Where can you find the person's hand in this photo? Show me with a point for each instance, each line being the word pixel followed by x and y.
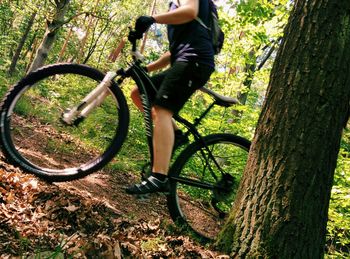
pixel 143 23
pixel 134 35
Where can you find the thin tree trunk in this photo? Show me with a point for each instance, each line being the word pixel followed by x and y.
pixel 88 27
pixel 282 203
pixel 34 47
pixel 93 44
pixel 30 45
pixel 21 44
pixel 153 8
pixel 115 53
pixel 250 69
pixel 65 44
pixel 50 35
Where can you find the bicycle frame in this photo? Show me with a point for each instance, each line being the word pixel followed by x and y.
pixel 141 77
pixel 75 115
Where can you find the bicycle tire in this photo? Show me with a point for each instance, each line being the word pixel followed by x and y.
pixel 33 136
pixel 190 204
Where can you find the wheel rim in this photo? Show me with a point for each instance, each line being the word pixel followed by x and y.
pixel 42 141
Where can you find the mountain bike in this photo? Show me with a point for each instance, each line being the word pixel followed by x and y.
pixel 65 121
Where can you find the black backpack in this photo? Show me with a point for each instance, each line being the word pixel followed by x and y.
pixel 214 28
pixel 216 33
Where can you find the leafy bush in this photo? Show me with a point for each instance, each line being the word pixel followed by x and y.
pixel 338 237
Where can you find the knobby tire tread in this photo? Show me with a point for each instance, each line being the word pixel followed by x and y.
pixel 40 74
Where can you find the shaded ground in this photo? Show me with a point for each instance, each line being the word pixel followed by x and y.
pixel 89 218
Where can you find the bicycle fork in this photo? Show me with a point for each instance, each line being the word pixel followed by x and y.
pixel 76 114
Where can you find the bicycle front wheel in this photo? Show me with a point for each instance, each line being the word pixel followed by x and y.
pixel 34 136
pixel 204 181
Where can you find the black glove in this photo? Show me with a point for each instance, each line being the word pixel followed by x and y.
pixel 134 35
pixel 143 23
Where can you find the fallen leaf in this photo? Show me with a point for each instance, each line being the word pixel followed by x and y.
pixel 71 208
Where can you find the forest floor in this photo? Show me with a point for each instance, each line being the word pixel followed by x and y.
pixel 88 218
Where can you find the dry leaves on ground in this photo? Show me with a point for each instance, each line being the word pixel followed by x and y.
pixel 41 220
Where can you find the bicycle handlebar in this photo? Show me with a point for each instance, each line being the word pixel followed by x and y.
pixel 137 56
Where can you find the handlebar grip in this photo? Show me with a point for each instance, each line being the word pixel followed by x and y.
pixel 133 43
pixel 133 37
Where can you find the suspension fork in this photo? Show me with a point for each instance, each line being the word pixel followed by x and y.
pixel 76 114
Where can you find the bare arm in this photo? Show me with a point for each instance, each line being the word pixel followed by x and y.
pixel 161 62
pixel 187 11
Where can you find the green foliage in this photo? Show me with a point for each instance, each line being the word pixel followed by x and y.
pixel 253 11
pixel 338 237
pixel 252 27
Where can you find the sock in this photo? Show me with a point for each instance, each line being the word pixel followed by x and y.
pixel 159 176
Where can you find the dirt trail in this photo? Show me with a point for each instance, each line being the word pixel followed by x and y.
pixel 108 187
pixel 88 218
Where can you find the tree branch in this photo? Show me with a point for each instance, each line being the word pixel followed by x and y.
pixel 87 14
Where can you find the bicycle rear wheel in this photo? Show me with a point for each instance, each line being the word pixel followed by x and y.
pixel 201 194
pixel 34 137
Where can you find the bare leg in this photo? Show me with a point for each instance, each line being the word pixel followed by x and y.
pixel 163 139
pixel 135 97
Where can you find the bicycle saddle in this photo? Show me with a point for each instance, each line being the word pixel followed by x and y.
pixel 221 100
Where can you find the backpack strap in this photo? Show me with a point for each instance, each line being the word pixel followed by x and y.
pixel 202 23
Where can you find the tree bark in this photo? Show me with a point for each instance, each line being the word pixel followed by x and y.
pixel 21 44
pixel 50 34
pixel 282 203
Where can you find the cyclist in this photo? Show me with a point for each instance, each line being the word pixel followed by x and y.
pixel 191 60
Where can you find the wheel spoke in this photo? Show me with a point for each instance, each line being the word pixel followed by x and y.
pixel 199 181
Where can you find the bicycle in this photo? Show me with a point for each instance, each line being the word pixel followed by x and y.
pixel 47 130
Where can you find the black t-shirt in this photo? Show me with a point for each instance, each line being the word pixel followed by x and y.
pixel 191 41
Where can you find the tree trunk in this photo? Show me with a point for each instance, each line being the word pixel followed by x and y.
pixel 153 8
pixel 87 33
pixel 21 44
pixel 94 43
pixel 115 53
pixel 31 51
pixel 250 69
pixel 282 204
pixel 84 39
pixel 50 34
pixel 65 44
